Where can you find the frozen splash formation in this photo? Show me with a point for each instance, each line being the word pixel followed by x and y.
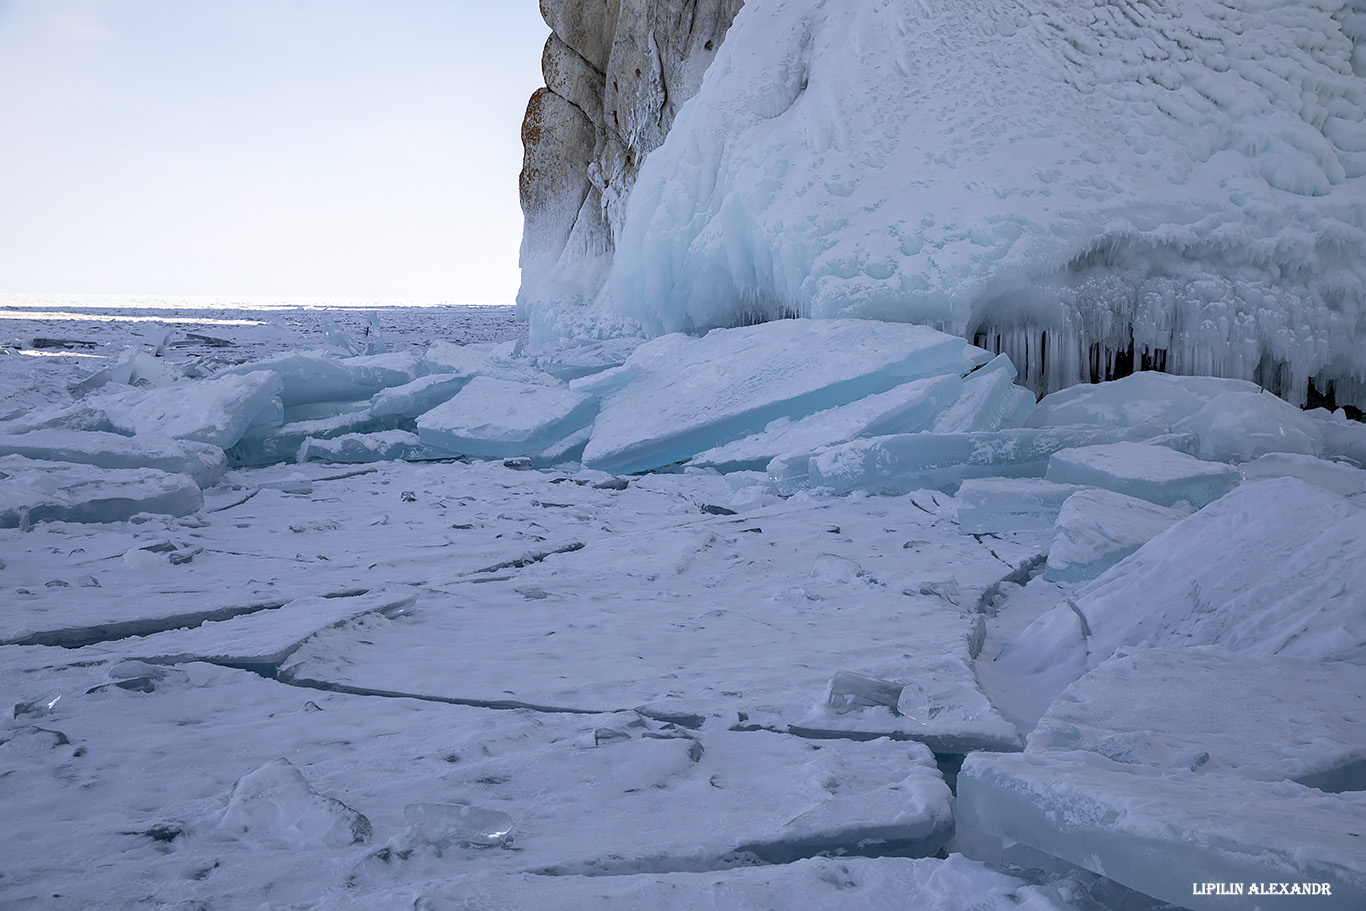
pixel 1089 187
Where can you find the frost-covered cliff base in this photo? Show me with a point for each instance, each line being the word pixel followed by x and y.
pixel 1075 184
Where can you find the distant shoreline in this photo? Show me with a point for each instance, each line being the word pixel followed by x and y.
pixel 228 302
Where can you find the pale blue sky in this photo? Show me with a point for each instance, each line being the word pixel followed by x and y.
pixel 315 148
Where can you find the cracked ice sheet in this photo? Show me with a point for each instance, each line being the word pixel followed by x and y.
pixel 742 618
pixel 98 818
pixel 837 884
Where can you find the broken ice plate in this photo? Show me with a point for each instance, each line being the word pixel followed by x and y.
pixel 444 825
pixel 40 705
pixel 954 701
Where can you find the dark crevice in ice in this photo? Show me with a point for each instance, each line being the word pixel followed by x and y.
pixel 1020 575
pixel 1350 776
pixel 80 636
pixel 529 559
pixel 949 766
pixel 947 744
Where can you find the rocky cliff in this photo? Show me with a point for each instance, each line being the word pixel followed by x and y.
pixel 616 73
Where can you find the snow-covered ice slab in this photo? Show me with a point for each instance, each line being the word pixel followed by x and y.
pixel 33 491
pixel 263 639
pixel 498 418
pixel 216 411
pixel 904 409
pixel 1166 832
pixel 380 446
pixel 1096 528
pixel 1208 710
pixel 201 461
pixel 1157 474
pixel 1272 568
pixel 684 395
pixel 1139 397
pixel 837 884
pixel 993 505
pixel 1338 477
pixel 91 810
pixel 941 461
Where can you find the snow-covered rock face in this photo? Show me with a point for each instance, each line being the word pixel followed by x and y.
pixel 616 73
pixel 1067 182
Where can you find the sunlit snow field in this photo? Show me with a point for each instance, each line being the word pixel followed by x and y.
pixel 477 683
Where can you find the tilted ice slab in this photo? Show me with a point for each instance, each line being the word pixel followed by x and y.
pixel 1163 831
pixel 683 395
pixel 994 505
pixel 217 410
pixel 422 394
pixel 201 461
pixel 904 409
pixel 1209 710
pixel 1191 175
pixel 1271 568
pixel 990 401
pixel 941 461
pixel 1154 473
pixel 1096 528
pixel 1126 768
pixel 1144 396
pixel 34 491
pixel 499 418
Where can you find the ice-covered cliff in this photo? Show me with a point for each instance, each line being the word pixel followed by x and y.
pixel 1075 183
pixel 616 73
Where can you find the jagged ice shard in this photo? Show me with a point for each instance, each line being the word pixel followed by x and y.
pixel 1074 184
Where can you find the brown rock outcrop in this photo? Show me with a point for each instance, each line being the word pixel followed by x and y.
pixel 616 73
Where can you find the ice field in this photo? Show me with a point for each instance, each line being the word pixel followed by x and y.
pixel 305 609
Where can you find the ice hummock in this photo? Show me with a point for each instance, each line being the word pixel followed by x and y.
pixel 677 396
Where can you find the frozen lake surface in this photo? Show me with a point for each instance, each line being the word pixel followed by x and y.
pixel 448 682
